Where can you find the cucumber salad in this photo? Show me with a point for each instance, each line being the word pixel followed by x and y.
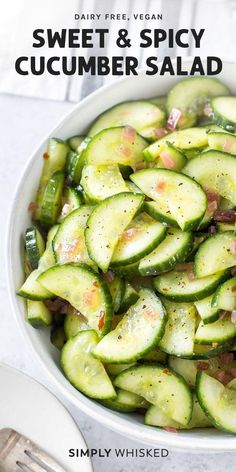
pixel 131 257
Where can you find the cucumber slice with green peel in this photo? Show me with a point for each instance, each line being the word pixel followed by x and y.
pixel 115 369
pixel 154 356
pixel 106 223
pixel 38 314
pixel 179 286
pixel 52 200
pixel 133 188
pixel 35 246
pixel 84 290
pixel 178 338
pixel 155 417
pixel 222 142
pixel 100 182
pixel 125 402
pixel 208 351
pixel 225 296
pixel 179 199
pixel 218 402
pixel 26 264
pixel 215 171
pixel 159 101
pixel 224 112
pixel 226 204
pixel 72 199
pixel 161 387
pixel 144 117
pixel 69 242
pixel 175 248
pixel 57 337
pixel 232 384
pixel 222 246
pixel 117 290
pixel 190 97
pixel 171 158
pixel 218 332
pixel 51 235
pixel 153 209
pixel 129 271
pixel 137 333
pixel 114 146
pixel 32 288
pixel 86 373
pixel 75 141
pixel 74 323
pixel 198 239
pixel 125 171
pixel 55 161
pixel 140 237
pixel 207 312
pixel 77 162
pixel 223 227
pixel 130 297
pixel 192 139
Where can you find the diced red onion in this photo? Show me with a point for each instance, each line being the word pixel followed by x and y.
pixel 170 429
pixel 223 314
pixel 233 316
pixel 212 206
pixel 129 133
pixel 233 247
pixel 212 229
pixel 32 206
pixel 202 366
pixel 109 276
pixel 226 357
pixel 57 306
pixel 167 160
pixel 174 118
pixel 233 371
pixel 160 132
pixel 227 216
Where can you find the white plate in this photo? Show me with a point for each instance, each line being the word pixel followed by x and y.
pixel 31 409
pixel 76 122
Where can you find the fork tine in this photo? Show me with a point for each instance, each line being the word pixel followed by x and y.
pixel 41 460
pixel 30 467
pixel 23 467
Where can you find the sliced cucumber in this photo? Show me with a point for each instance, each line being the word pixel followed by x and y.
pixel 207 312
pixel 100 182
pixel 113 146
pixel 125 402
pixel 159 101
pixel 175 248
pixel 216 171
pixel 156 417
pixel 222 245
pixel 86 373
pixel 115 369
pixel 154 356
pixel 129 271
pixel 222 142
pixel 218 332
pixel 218 402
pixel 208 351
pixel 224 112
pixel 189 368
pixel 74 323
pixel 84 290
pixel 72 199
pixel 192 139
pixel 133 188
pixel 130 298
pixel 38 314
pixel 55 160
pixel 137 333
pixel 226 204
pixel 52 200
pixel 179 333
pixel 75 141
pixel 117 290
pixel 69 242
pixel 191 95
pixel 57 337
pixel 144 117
pixel 140 237
pixel 106 223
pixel 32 289
pixel 223 227
pixel 160 387
pixel 171 158
pixel 179 199
pixel 178 287
pixel 35 246
pixel 225 296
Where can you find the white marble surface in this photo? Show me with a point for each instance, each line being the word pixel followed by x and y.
pixel 23 123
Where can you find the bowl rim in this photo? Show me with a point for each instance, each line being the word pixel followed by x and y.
pixel 148 435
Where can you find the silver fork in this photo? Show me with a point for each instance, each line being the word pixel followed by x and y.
pixel 18 453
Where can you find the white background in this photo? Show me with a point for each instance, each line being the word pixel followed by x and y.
pixel 24 122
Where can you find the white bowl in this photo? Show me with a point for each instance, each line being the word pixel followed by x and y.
pixel 76 122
